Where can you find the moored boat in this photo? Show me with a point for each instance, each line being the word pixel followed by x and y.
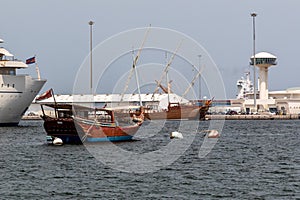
pixel 103 126
pixel 17 90
pixel 177 111
pixel 59 123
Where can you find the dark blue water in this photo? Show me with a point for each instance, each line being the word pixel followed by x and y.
pixel 251 160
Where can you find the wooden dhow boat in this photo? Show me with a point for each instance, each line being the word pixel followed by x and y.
pixel 174 111
pixel 90 125
pixel 177 111
pixel 103 126
pixel 59 123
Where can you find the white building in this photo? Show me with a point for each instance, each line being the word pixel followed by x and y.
pixel 156 101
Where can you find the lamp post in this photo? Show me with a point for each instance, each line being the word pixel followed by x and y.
pixel 91 56
pixel 253 15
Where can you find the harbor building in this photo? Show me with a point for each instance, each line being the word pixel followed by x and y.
pixel 282 102
pixel 268 102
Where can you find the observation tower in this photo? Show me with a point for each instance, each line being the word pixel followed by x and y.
pixel 264 60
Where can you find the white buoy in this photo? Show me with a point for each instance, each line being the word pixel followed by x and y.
pixel 57 141
pixel 176 134
pixel 213 134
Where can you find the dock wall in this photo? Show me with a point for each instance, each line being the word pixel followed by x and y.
pixel 252 117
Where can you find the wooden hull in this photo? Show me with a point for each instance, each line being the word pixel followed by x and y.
pixel 106 132
pixel 63 128
pixel 202 112
pixel 186 112
pixel 78 130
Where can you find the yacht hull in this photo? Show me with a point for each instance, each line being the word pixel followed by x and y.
pixel 16 95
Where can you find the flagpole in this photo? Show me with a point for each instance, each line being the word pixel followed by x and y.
pixel 55 103
pixel 53 96
pixel 37 69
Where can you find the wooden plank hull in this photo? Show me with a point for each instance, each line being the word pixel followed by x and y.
pixel 185 112
pixel 77 130
pixel 63 128
pixel 188 113
pixel 106 132
pixel 175 111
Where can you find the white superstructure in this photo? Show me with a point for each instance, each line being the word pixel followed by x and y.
pixel 16 91
pixel 244 86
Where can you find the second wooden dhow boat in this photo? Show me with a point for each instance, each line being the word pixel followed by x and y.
pixel 175 111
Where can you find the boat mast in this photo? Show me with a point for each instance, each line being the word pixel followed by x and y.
pixel 192 83
pixel 134 67
pixel 199 56
pixel 137 84
pixel 166 69
pixel 167 78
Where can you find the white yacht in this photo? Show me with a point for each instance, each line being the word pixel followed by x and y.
pixel 245 86
pixel 16 91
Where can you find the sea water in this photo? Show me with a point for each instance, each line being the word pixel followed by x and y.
pixel 251 160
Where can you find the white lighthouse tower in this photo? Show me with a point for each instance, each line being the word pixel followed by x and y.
pixel 263 60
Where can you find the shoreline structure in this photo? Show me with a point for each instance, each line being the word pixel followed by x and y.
pixel 221 117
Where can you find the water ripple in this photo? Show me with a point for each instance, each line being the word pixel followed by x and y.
pixel 251 160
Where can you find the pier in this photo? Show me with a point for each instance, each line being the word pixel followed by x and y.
pixel 222 117
pixel 32 117
pixel 253 117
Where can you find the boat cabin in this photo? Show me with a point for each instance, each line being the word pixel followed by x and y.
pixel 8 64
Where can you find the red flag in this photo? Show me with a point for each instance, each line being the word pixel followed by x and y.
pixel 45 95
pixel 30 60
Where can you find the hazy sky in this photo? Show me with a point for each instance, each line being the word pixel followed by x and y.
pixel 58 33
